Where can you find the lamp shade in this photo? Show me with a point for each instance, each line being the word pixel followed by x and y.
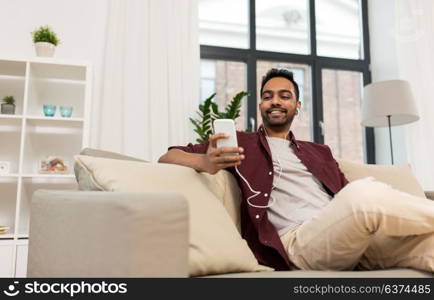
pixel 388 98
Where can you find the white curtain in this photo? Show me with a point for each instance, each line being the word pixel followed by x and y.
pixel 147 78
pixel 414 34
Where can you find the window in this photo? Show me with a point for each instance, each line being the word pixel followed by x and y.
pixel 224 23
pixel 226 79
pixel 342 113
pixel 324 43
pixel 338 29
pixel 282 26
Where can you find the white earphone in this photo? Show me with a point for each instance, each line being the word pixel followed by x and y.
pixel 256 193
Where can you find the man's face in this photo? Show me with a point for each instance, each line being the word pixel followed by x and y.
pixel 278 103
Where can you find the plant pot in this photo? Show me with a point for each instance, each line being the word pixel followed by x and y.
pixel 44 49
pixel 8 109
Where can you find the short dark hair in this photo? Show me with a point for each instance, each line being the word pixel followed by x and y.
pixel 280 72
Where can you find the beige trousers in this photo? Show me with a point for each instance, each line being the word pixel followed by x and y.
pixel 367 225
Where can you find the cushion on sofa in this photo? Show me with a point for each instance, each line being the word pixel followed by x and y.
pixel 215 244
pixel 224 185
pixel 399 177
pixel 82 177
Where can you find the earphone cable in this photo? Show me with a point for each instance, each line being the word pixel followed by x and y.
pixel 256 193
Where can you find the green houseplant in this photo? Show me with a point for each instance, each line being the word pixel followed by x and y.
pixel 209 111
pixel 45 41
pixel 8 105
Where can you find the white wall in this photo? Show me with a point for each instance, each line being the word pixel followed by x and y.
pixel 79 25
pixel 384 66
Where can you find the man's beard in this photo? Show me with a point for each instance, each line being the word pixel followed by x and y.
pixel 270 122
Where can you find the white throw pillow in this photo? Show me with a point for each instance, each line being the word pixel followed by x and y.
pixel 215 244
pixel 399 177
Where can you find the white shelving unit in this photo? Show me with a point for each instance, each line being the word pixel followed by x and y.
pixel 29 136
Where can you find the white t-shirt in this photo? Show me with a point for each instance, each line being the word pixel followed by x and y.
pixel 298 195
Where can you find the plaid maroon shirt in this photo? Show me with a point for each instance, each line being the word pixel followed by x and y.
pixel 257 168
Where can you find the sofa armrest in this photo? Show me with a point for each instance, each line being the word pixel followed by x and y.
pixel 108 234
pixel 429 194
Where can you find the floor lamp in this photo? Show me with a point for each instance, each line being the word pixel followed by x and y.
pixel 388 103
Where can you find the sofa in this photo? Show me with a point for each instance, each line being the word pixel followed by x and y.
pixel 92 232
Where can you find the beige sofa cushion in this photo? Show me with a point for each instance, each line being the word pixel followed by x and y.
pixel 215 244
pixel 399 177
pixel 226 189
pixel 83 179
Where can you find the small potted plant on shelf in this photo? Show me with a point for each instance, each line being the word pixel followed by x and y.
pixel 8 105
pixel 45 41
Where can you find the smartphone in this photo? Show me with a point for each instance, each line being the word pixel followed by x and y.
pixel 226 126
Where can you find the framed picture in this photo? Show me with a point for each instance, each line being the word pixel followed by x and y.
pixel 53 165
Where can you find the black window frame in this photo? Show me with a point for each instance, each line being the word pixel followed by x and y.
pixel 251 55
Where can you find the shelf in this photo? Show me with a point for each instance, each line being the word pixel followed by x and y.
pixel 12 77
pixel 57 85
pixel 6 236
pixel 44 60
pixel 59 61
pixel 67 127
pixel 48 175
pixel 57 71
pixel 10 124
pixel 12 175
pixel 47 138
pixel 42 118
pixel 12 68
pixel 4 116
pixel 36 175
pixel 8 180
pixel 13 85
pixel 59 81
pixel 29 136
pixel 54 125
pixel 56 92
pixel 12 82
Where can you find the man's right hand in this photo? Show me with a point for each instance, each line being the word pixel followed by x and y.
pixel 214 161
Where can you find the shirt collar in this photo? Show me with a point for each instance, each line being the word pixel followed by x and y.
pixel 292 139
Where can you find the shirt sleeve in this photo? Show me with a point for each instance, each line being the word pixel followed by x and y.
pixel 190 148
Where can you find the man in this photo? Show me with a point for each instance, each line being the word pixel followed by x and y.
pixel 292 215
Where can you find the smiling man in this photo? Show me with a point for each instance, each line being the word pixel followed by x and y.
pixel 292 215
pixel 280 103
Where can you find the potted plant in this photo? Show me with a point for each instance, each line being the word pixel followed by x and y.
pixel 45 41
pixel 8 105
pixel 208 112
